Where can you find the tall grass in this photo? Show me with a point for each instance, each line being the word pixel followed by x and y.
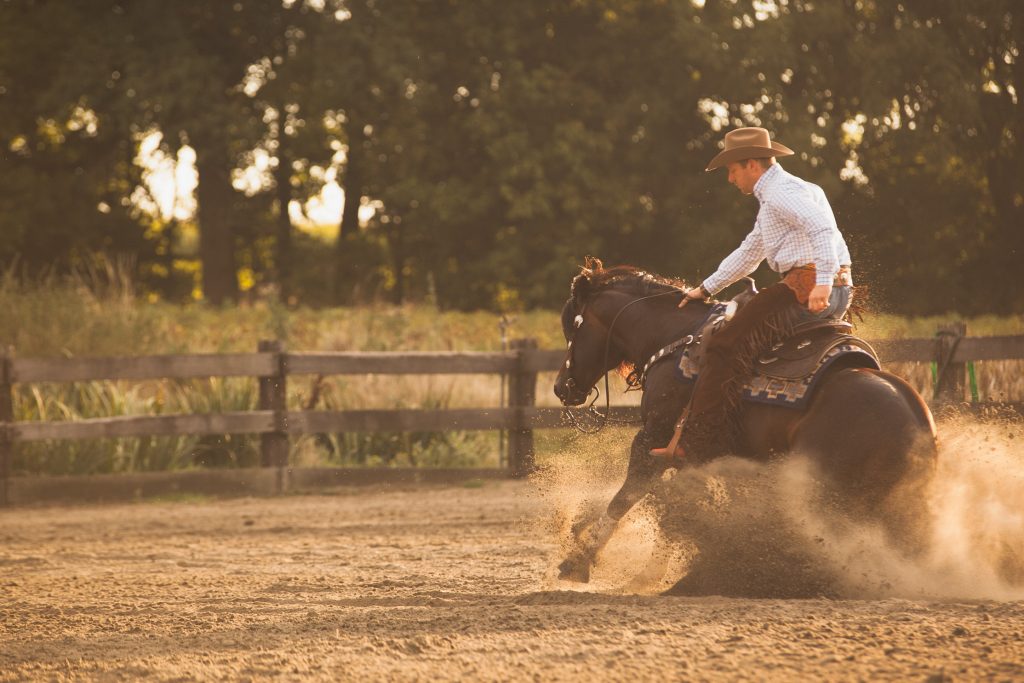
pixel 996 380
pixel 97 313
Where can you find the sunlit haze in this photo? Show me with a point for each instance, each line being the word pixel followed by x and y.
pixel 171 183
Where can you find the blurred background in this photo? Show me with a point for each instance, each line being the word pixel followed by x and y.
pixel 469 153
pixel 196 176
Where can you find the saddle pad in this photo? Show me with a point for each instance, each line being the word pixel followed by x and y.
pixel 793 393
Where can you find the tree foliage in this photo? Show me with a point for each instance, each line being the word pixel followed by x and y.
pixel 500 142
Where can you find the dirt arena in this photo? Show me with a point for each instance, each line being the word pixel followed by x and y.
pixel 456 583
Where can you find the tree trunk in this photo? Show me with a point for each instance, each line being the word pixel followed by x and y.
pixel 214 195
pixel 283 256
pixel 396 244
pixel 352 185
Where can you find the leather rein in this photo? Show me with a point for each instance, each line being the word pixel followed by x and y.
pixel 635 380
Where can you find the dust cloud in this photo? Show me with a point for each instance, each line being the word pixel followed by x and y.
pixel 738 528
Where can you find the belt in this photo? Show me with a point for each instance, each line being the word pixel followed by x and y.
pixel 843 278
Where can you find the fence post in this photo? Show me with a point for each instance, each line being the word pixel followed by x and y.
pixel 273 393
pixel 6 420
pixel 949 376
pixel 522 394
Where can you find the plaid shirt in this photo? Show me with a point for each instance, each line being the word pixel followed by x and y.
pixel 795 226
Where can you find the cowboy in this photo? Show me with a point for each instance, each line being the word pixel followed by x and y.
pixel 796 232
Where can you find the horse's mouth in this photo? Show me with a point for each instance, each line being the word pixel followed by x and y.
pixel 570 393
pixel 573 399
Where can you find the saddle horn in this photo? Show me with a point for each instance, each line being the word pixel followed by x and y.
pixel 742 298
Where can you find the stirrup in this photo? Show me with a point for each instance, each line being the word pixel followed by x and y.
pixel 675 444
pixel 677 453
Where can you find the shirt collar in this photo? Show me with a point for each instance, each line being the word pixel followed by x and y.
pixel 766 179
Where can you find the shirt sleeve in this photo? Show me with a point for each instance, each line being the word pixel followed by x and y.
pixel 819 225
pixel 743 261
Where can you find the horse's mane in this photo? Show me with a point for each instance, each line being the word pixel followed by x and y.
pixel 623 278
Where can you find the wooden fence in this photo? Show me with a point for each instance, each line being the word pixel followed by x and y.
pixel 949 350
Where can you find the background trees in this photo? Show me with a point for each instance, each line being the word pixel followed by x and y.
pixel 493 144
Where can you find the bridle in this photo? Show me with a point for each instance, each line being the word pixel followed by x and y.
pixel 635 380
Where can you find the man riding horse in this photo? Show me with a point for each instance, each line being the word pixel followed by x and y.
pixel 796 232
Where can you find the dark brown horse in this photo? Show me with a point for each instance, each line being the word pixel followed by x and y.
pixel 867 431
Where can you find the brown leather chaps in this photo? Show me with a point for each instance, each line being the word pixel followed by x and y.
pixel 709 429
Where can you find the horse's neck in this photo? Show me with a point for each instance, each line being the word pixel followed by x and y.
pixel 651 328
pixel 684 321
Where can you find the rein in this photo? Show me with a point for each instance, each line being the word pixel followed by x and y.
pixel 633 382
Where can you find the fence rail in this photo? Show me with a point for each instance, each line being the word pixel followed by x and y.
pixel 950 350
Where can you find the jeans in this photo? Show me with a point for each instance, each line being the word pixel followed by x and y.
pixel 838 303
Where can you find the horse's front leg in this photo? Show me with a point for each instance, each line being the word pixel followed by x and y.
pixel 643 469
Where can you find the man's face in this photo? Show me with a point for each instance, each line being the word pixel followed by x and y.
pixel 744 175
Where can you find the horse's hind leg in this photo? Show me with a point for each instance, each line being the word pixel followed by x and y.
pixel 875 460
pixel 591 538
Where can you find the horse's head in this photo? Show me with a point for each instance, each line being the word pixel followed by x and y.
pixel 586 337
pixel 594 332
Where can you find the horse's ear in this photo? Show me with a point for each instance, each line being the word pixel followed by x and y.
pixel 580 288
pixel 581 283
pixel 592 264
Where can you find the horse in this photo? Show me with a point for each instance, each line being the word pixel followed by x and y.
pixel 867 431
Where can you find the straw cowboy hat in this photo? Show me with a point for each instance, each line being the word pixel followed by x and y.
pixel 747 143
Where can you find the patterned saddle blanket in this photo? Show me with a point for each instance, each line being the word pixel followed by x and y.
pixel 788 373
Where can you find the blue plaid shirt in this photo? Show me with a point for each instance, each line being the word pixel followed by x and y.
pixel 795 226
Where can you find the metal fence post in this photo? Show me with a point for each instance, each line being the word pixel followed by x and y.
pixel 273 394
pixel 6 423
pixel 522 395
pixel 949 376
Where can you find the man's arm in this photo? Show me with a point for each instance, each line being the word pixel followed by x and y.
pixel 740 263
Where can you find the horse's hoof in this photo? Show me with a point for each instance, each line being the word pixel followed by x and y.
pixel 574 569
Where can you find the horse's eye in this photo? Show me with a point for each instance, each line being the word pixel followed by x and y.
pixel 577 321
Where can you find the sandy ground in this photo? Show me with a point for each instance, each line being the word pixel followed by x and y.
pixel 459 582
pixel 427 583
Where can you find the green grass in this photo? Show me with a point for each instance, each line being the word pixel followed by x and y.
pixel 69 318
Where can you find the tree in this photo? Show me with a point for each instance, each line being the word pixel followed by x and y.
pixel 918 101
pixel 67 143
pixel 499 143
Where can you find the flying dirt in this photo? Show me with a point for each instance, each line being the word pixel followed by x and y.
pixel 766 530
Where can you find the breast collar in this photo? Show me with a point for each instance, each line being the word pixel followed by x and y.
pixel 718 313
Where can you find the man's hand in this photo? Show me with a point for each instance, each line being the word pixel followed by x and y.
pixel 818 300
pixel 695 294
